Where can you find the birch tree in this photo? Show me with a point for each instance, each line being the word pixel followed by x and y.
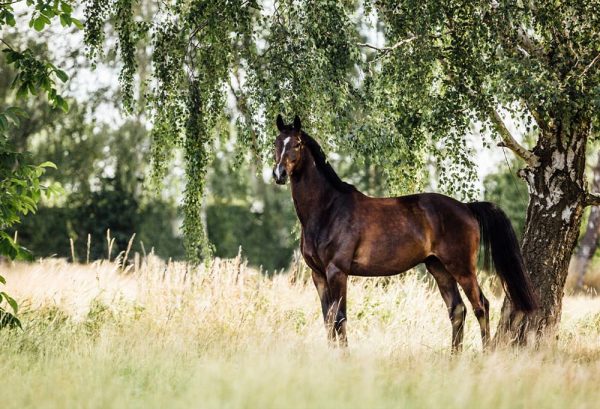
pixel 443 66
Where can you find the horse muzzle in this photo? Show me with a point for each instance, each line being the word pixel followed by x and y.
pixel 280 175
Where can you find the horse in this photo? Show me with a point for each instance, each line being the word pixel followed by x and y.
pixel 347 233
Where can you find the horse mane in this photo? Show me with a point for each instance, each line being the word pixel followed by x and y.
pixel 324 166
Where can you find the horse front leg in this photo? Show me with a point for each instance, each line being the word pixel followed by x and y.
pixel 320 281
pixel 335 319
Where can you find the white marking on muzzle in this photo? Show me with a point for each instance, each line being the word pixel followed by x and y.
pixel 278 167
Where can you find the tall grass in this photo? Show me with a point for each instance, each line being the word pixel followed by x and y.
pixel 225 336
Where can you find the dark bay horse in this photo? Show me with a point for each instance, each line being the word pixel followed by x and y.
pixel 345 232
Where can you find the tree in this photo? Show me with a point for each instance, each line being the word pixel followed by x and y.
pixel 446 65
pixel 538 63
pixel 197 46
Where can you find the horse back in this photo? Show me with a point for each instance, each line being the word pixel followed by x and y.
pixel 395 234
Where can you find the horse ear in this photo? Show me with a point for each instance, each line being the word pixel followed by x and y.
pixel 297 124
pixel 280 124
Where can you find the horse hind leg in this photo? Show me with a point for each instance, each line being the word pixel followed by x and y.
pixel 456 308
pixel 465 275
pixel 481 306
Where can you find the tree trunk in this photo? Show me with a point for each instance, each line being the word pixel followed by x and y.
pixel 589 242
pixel 556 205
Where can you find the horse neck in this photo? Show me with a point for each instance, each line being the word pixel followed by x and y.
pixel 313 193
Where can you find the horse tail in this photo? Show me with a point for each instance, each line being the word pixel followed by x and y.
pixel 498 235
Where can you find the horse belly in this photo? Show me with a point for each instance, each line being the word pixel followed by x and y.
pixel 388 255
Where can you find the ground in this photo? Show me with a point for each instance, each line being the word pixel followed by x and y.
pixel 225 336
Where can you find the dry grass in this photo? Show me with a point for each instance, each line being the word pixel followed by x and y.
pixel 224 336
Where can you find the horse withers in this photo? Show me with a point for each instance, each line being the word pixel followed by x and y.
pixel 345 232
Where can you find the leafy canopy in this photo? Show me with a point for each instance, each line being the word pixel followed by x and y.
pixel 286 57
pixel 444 65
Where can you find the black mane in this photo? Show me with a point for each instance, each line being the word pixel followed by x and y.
pixel 324 166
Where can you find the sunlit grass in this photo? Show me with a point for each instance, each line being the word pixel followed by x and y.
pixel 224 336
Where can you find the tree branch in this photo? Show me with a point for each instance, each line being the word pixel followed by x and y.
pixel 528 45
pixel 6 44
pixel 590 65
pixel 386 50
pixel 509 142
pixel 591 199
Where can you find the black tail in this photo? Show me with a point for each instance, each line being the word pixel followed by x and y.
pixel 498 235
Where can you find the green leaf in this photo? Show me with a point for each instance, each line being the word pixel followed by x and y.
pixel 65 20
pixel 2 280
pixel 62 104
pixel 77 23
pixel 7 246
pixel 11 301
pixel 47 164
pixel 12 56
pixel 61 75
pixel 66 7
pixel 45 18
pixel 9 320
pixel 39 23
pixel 10 19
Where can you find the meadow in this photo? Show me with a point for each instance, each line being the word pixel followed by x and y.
pixel 223 335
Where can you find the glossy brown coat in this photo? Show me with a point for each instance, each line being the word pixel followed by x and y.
pixel 345 232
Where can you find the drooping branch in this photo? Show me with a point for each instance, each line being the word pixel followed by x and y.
pixel 537 116
pixel 476 94
pixel 242 106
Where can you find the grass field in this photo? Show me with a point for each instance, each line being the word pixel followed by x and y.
pixel 225 336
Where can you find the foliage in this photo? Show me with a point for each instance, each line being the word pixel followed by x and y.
pixel 102 171
pixel 509 192
pixel 271 60
pixel 480 54
pixel 20 187
pixel 244 211
pixel 446 65
pixel 20 190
